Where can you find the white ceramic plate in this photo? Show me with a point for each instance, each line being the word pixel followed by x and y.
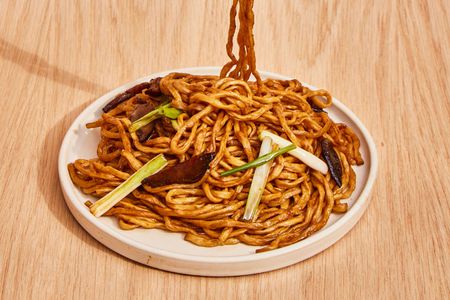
pixel 168 251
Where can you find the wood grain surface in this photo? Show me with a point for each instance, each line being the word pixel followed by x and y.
pixel 389 61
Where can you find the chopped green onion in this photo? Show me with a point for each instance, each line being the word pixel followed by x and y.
pixel 260 160
pixel 133 182
pixel 306 157
pixel 163 110
pixel 258 182
pixel 171 112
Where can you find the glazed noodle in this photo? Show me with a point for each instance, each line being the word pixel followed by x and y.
pixel 223 115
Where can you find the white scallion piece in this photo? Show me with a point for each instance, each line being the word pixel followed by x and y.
pixel 306 157
pixel 133 182
pixel 258 182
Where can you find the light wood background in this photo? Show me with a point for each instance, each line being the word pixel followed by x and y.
pixel 389 61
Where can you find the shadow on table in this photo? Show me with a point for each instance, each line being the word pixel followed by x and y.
pixel 35 64
pixel 48 179
pixel 49 186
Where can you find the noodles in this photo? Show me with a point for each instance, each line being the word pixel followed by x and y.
pixel 225 115
pixel 246 64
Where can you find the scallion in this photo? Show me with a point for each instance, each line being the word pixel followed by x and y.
pixel 163 110
pixel 306 157
pixel 133 182
pixel 258 182
pixel 260 160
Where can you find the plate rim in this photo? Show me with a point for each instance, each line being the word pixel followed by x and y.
pixel 361 202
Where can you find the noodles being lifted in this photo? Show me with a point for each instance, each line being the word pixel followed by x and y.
pixel 219 128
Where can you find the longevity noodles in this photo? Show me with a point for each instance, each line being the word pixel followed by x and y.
pixel 180 153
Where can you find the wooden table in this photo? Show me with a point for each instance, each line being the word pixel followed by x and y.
pixel 389 61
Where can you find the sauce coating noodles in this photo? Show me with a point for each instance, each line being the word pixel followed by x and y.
pixel 225 114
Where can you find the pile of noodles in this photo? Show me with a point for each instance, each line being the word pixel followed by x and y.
pixel 224 114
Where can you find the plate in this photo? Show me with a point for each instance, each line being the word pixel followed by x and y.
pixel 169 251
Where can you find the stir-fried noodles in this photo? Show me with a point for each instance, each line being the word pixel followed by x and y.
pixel 223 116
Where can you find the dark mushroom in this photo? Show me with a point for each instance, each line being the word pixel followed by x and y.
pixel 138 88
pixel 116 101
pixel 141 110
pixel 125 96
pixel 332 160
pixel 154 89
pixel 189 171
pixel 164 127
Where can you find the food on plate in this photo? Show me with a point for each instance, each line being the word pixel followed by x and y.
pixel 223 159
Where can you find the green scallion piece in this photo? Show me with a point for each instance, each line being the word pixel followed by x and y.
pixel 260 160
pixel 133 182
pixel 163 110
pixel 259 181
